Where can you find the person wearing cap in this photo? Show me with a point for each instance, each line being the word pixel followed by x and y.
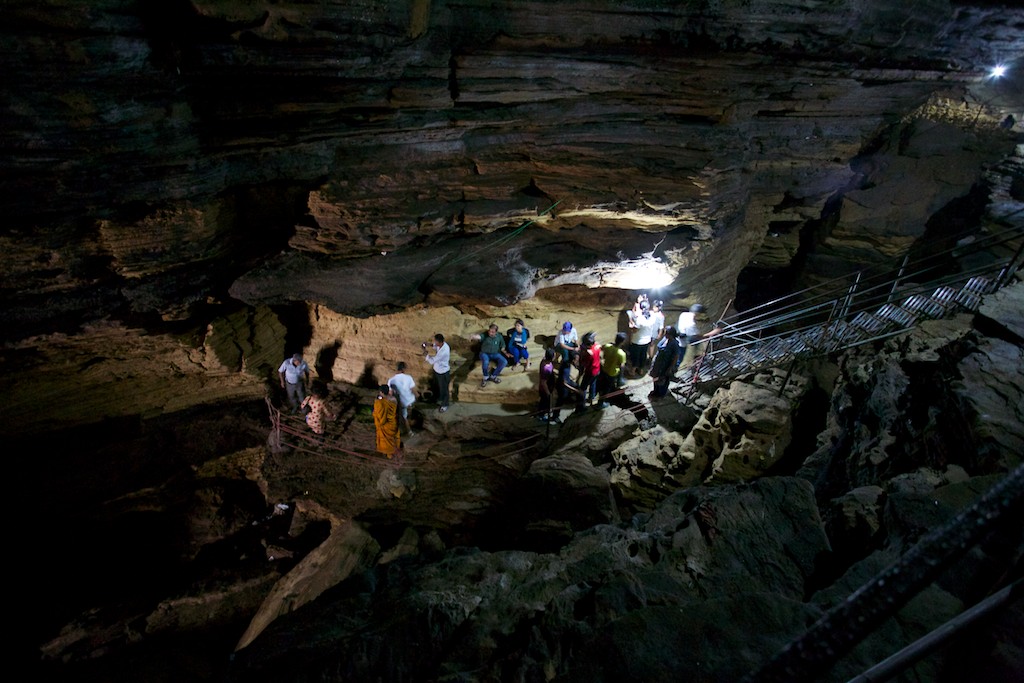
pixel 294 375
pixel 567 340
pixel 690 334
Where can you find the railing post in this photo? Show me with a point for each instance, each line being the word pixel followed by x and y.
pixel 789 373
pixel 849 296
pixel 896 282
pixel 1008 269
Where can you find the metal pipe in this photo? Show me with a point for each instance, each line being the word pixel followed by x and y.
pixel 920 648
pixel 896 282
pixel 811 654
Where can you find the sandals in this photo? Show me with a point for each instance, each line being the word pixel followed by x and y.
pixel 483 383
pixel 496 380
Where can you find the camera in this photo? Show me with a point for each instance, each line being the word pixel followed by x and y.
pixel 424 345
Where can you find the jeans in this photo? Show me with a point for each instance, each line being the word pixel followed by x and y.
pixel 518 353
pixel 485 363
pixel 296 393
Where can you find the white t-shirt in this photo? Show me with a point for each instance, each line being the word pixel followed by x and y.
pixel 659 321
pixel 405 386
pixel 688 324
pixel 646 328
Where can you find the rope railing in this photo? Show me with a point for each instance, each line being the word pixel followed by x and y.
pixel 303 439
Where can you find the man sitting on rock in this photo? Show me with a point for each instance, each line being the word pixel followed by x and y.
pixel 492 350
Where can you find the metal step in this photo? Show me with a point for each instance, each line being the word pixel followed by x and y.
pixel 979 285
pixel 871 325
pixel 945 297
pixel 748 357
pixel 970 296
pixel 775 349
pixel 923 305
pixel 900 316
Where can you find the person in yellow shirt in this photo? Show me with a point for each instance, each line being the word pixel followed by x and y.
pixel 613 358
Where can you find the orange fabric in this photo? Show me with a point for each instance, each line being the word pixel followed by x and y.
pixel 385 418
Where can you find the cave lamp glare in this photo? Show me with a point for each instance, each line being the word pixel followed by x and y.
pixel 998 71
pixel 645 274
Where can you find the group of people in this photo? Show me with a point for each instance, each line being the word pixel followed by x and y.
pixel 498 351
pixel 650 336
pixel 598 372
pixel 574 369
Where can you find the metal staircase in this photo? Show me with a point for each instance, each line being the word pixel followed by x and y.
pixel 857 309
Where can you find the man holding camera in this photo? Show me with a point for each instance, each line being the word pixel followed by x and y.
pixel 440 362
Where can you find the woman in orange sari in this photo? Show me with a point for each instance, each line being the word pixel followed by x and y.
pixel 385 419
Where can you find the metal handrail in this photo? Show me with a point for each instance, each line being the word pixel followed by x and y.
pixel 816 330
pixel 871 277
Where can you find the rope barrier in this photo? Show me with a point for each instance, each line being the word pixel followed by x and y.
pixel 504 238
pixel 304 435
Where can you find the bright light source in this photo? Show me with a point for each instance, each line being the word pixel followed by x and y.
pixel 642 274
pixel 998 71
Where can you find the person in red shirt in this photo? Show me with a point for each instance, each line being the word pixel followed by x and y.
pixel 590 368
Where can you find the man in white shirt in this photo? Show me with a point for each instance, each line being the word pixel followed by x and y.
pixel 659 328
pixel 294 375
pixel 440 361
pixel 690 335
pixel 644 330
pixel 567 340
pixel 405 388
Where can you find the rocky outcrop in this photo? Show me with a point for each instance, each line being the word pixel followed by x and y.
pixel 889 417
pixel 518 615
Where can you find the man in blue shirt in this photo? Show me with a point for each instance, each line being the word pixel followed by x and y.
pixel 294 375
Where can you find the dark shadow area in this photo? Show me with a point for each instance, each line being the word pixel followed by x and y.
pixel 299 331
pixel 367 379
pixel 325 360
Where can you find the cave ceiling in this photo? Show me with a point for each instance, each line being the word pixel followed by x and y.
pixel 368 156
